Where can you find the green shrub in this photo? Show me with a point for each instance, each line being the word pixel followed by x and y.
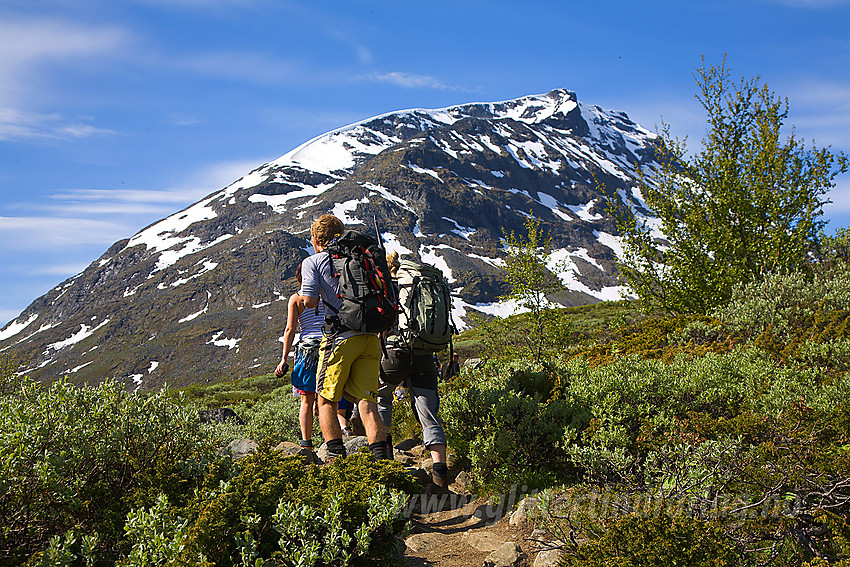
pixel 783 303
pixel 505 426
pixel 635 541
pixel 270 486
pixel 81 458
pixel 269 418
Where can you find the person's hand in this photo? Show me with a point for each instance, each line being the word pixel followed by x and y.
pixel 281 369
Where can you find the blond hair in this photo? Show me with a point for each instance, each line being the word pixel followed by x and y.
pixel 393 263
pixel 326 228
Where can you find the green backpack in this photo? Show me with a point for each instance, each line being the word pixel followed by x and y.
pixel 425 319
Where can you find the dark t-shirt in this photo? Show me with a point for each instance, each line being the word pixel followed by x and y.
pixel 399 364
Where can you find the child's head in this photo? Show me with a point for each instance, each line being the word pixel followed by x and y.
pixel 298 273
pixel 325 228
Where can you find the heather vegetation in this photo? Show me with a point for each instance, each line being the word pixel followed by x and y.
pixel 97 475
pixel 715 439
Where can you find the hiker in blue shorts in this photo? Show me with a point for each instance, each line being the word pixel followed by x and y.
pixel 309 322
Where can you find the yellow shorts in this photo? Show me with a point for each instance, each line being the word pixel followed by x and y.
pixel 349 365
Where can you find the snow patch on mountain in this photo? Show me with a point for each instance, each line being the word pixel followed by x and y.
pixel 16 327
pixel 278 202
pixel 430 256
pixel 84 333
pixel 392 244
pixel 583 211
pixel 219 342
pixel 386 194
pixel 342 210
pixel 615 243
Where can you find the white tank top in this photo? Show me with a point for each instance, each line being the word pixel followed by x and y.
pixel 311 322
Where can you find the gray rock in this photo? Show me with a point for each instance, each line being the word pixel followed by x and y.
pixel 462 480
pixel 548 558
pixel 537 538
pixel 404 458
pixel 219 415
pixel 508 554
pixel 240 448
pixel 293 449
pixel 356 443
pixel 525 509
pixel 483 541
pixel 322 452
pixel 418 542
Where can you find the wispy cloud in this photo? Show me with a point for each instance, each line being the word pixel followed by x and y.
pixel 202 182
pixel 407 80
pixel 16 124
pixel 61 270
pixel 127 209
pixel 203 4
pixel 28 233
pixel 820 109
pixel 31 48
pixel 29 45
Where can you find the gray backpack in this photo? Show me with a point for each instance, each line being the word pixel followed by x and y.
pixel 425 319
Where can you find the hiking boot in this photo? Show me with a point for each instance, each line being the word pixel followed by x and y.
pixel 439 485
pixel 331 458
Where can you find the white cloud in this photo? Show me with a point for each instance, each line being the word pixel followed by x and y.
pixel 76 216
pixel 820 110
pixel 242 66
pixel 30 44
pixel 17 124
pixel 407 80
pixel 26 233
pixel 202 4
pixel 840 197
pixel 30 47
pixel 62 270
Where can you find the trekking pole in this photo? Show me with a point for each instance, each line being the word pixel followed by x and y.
pixel 381 244
pixel 378 234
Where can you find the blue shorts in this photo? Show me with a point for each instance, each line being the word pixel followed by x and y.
pixel 304 373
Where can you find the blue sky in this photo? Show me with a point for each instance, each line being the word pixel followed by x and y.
pixel 116 113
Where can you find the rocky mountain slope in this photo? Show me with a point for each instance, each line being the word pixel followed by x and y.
pixel 200 295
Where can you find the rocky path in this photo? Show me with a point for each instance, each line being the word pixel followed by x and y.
pixel 462 535
pixel 460 529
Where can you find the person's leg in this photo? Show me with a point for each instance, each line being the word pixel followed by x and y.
pixel 375 429
pixel 305 418
pixel 426 405
pixel 385 404
pixel 362 384
pixel 330 427
pixel 334 367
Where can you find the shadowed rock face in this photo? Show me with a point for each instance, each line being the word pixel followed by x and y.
pixel 201 295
